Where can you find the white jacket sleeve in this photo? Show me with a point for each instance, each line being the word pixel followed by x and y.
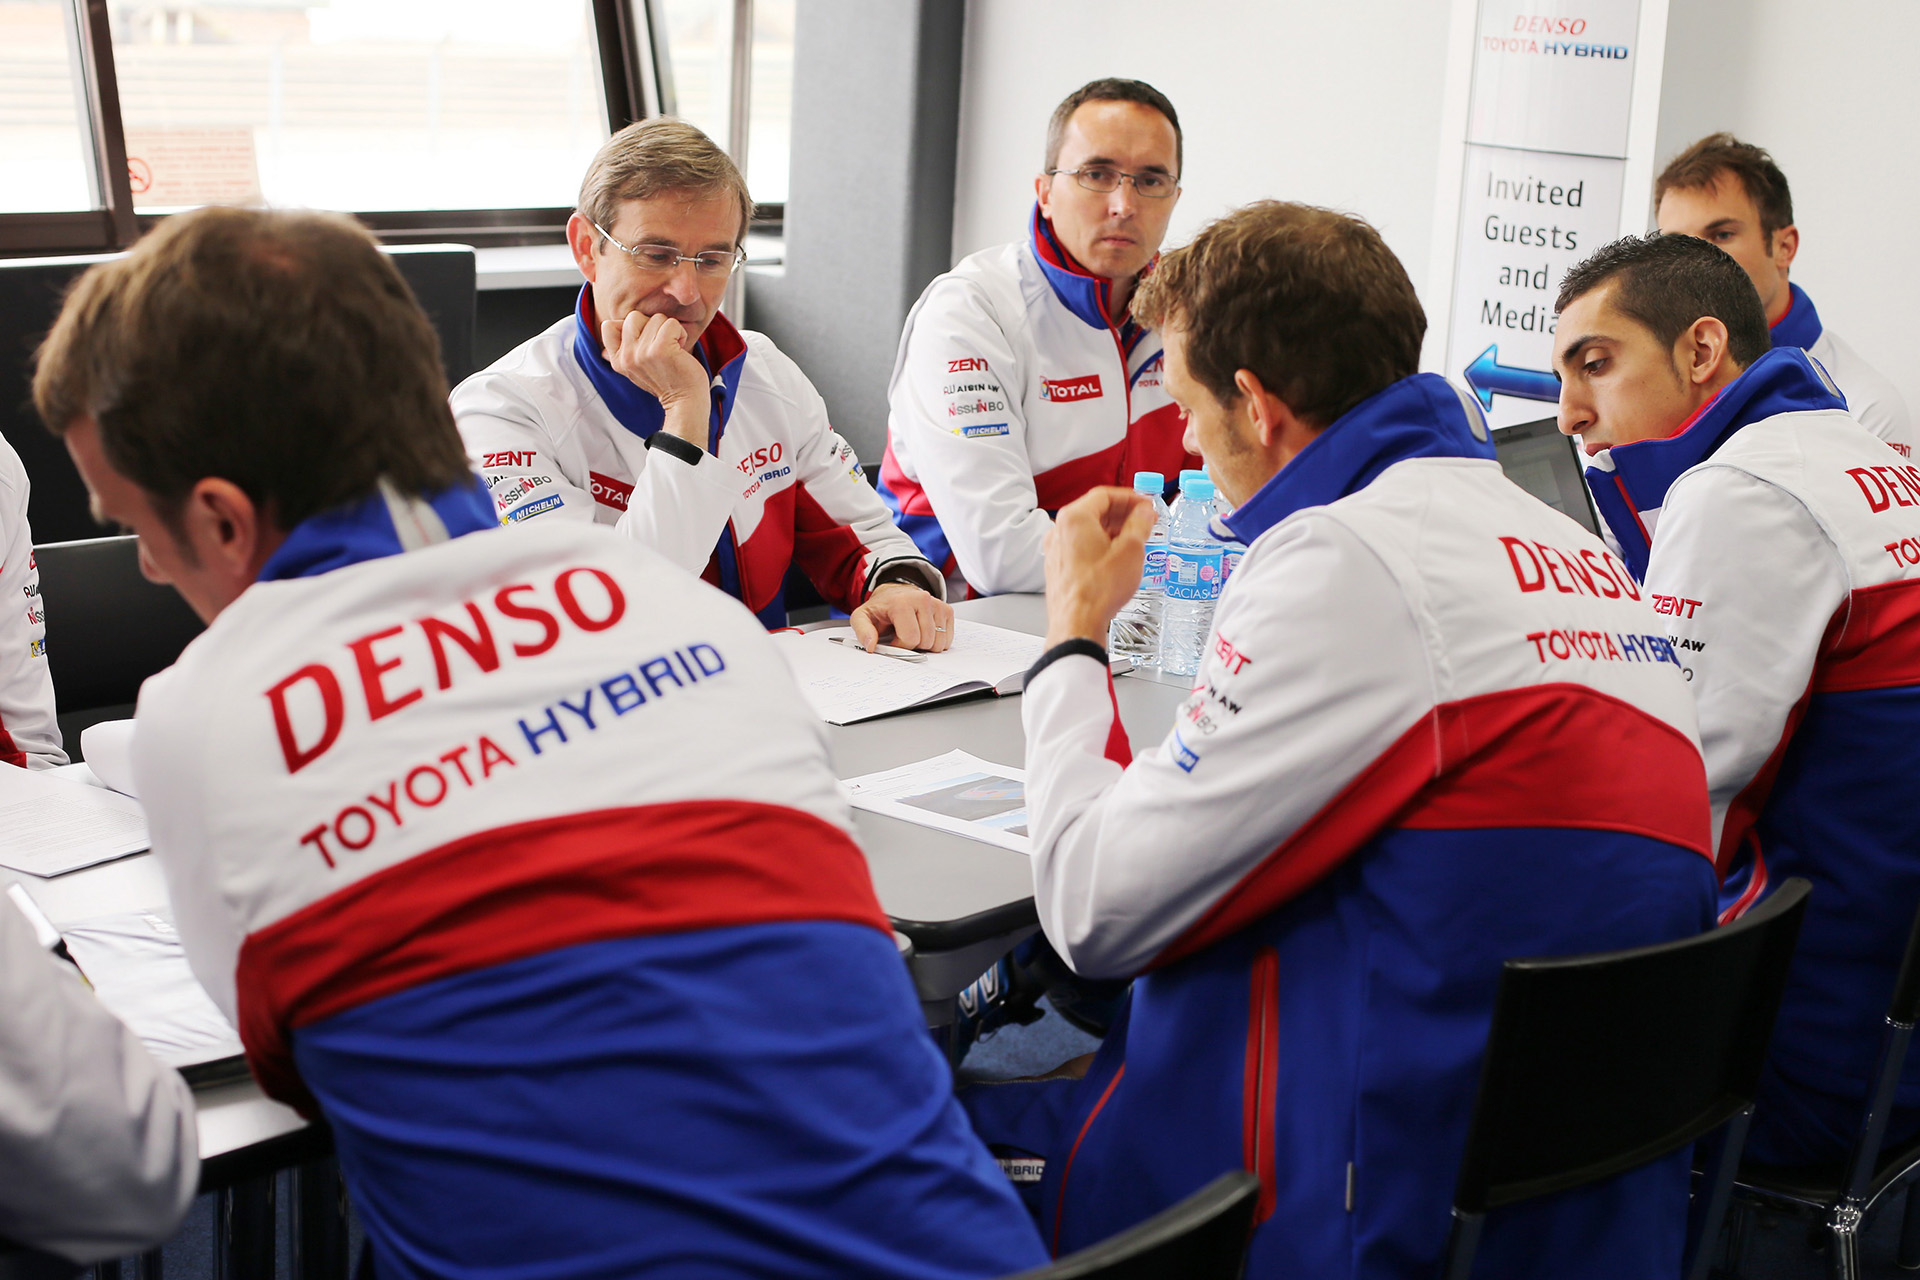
pixel 1746 581
pixel 1293 701
pixel 510 445
pixel 977 475
pixel 27 714
pixel 845 539
pixel 97 1139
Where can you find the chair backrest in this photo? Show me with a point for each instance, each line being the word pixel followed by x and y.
pixel 1204 1237
pixel 31 291
pixel 108 628
pixel 1597 1064
pixel 1905 1006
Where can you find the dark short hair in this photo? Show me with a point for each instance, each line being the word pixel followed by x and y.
pixel 1113 89
pixel 280 351
pixel 1668 282
pixel 1701 165
pixel 1311 301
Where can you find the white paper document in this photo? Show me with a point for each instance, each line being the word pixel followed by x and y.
pixel 53 825
pixel 140 973
pixel 956 792
pixel 846 684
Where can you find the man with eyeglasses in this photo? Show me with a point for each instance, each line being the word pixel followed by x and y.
pixel 1022 379
pixel 648 411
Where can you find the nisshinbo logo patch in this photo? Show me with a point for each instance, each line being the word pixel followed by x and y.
pixel 1087 388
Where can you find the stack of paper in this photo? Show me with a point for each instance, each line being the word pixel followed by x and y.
pixel 955 792
pixel 140 973
pixel 51 825
pixel 846 684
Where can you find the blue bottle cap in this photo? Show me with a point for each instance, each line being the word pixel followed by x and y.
pixel 1149 482
pixel 1197 485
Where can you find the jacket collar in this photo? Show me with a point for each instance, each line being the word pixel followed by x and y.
pixel 1424 416
pixel 721 349
pixel 1078 289
pixel 1800 326
pixel 1634 479
pixel 383 523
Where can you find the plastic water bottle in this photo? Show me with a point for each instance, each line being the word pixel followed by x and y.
pixel 1194 563
pixel 1230 549
pixel 1135 630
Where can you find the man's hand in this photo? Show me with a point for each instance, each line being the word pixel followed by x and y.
pixel 917 620
pixel 650 352
pixel 1095 551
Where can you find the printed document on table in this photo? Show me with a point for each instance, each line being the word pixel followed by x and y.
pixel 139 971
pixel 846 684
pixel 956 792
pixel 49 825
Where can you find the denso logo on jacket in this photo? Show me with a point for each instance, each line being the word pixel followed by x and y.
pixel 1087 388
pixel 391 666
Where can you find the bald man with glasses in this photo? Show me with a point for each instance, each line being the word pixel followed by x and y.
pixel 648 411
pixel 1022 379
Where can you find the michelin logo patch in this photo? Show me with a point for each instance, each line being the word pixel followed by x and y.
pixel 1183 755
pixel 973 429
pixel 547 503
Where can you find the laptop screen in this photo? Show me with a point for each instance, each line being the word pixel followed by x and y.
pixel 1546 464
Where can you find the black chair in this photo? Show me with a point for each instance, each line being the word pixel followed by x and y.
pixel 1843 1194
pixel 31 291
pixel 108 628
pixel 1602 1063
pixel 1204 1237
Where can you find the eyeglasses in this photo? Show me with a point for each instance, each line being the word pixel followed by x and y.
pixel 655 258
pixel 1105 180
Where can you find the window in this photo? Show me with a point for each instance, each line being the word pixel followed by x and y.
pixel 367 105
pixel 44 122
pixel 468 119
pixel 702 54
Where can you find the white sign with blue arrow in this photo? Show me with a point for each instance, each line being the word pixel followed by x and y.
pixel 1541 186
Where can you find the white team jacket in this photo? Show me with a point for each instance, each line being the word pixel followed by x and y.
pixel 97 1139
pixel 1353 644
pixel 777 486
pixel 1873 401
pixel 1012 394
pixel 279 764
pixel 29 733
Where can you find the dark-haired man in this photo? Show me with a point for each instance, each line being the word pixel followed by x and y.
pixel 1781 542
pixel 515 854
pixel 1023 380
pixel 648 411
pixel 1380 789
pixel 1732 194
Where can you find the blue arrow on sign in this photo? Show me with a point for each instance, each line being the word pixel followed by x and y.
pixel 1488 378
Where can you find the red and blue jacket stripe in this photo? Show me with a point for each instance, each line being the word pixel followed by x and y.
pixel 670 1038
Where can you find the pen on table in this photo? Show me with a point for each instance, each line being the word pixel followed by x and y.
pixel 43 930
pixel 880 651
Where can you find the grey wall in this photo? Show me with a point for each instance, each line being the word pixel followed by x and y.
pixel 876 106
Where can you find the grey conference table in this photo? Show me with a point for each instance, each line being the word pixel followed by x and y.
pixel 963 904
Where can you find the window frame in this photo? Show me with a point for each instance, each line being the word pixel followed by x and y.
pixel 636 86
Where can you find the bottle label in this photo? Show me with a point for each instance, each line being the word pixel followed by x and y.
pixel 1193 573
pixel 1229 561
pixel 1153 573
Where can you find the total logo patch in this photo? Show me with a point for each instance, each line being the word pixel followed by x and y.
pixel 609 492
pixel 1065 389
